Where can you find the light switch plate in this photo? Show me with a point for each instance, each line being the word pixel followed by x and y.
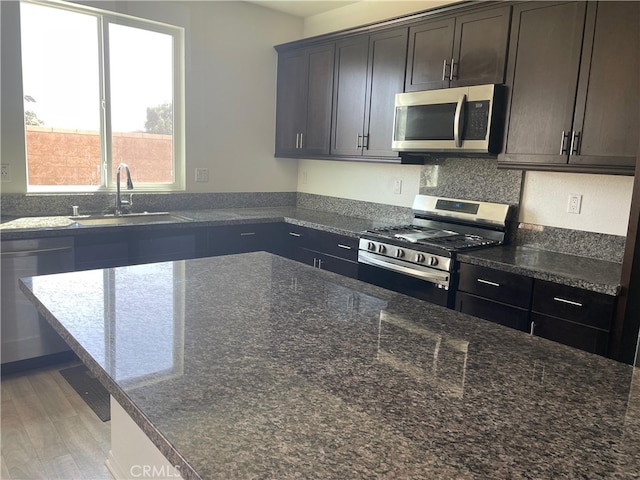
pixel 202 174
pixel 5 173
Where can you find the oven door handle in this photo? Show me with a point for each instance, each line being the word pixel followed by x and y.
pixel 417 271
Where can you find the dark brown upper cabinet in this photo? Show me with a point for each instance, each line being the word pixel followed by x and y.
pixel 369 71
pixel 458 51
pixel 573 77
pixel 304 98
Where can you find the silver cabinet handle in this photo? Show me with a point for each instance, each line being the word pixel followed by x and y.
pixel 319 263
pixel 346 247
pixel 444 70
pixel 569 302
pixel 297 140
pixel 301 140
pixel 487 282
pixel 293 234
pixel 575 143
pixel 451 74
pixel 563 143
pixel 358 137
pixel 247 234
pixel 458 120
pixel 533 325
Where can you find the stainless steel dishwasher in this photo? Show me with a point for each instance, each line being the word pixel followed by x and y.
pixel 25 334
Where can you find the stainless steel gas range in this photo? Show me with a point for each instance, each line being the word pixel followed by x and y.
pixel 420 259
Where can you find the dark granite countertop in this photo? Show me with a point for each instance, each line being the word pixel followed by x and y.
pixel 582 272
pixel 255 366
pixel 34 227
pixel 574 271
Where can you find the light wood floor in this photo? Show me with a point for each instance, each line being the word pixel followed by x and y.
pixel 48 432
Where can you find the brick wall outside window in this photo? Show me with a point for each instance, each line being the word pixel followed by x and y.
pixel 72 157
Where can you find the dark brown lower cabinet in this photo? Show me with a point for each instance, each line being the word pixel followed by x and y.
pixel 572 316
pixel 568 315
pixel 569 333
pixel 251 237
pixel 325 250
pixel 507 315
pixel 330 263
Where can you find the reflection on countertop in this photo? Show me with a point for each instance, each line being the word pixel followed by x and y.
pixel 273 369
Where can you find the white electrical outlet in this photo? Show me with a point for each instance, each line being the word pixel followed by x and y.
pixel 5 173
pixel 397 186
pixel 202 174
pixel 574 203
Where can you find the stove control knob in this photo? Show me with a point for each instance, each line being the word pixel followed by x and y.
pixel 371 246
pixel 382 249
pixel 420 258
pixel 399 253
pixel 433 261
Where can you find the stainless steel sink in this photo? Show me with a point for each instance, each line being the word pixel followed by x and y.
pixel 129 218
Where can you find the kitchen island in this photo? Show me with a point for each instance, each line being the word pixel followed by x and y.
pixel 255 366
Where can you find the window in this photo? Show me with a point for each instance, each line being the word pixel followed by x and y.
pixel 101 89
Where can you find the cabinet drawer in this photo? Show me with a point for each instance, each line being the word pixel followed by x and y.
pixel 574 304
pixel 496 285
pixel 569 333
pixel 329 243
pixel 506 315
pixel 230 239
pixel 328 262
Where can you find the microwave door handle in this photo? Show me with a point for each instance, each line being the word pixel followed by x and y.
pixel 458 121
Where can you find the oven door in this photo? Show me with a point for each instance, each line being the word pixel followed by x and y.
pixel 431 286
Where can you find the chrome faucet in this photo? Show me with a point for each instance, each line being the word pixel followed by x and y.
pixel 119 202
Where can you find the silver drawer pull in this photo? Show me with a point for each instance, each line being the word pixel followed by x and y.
pixel 570 302
pixel 346 247
pixel 246 234
pixel 295 234
pixel 487 282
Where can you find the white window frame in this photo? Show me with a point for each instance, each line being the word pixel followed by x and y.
pixel 105 18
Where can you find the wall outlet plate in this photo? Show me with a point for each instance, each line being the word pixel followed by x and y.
pixel 202 174
pixel 397 186
pixel 574 203
pixel 5 173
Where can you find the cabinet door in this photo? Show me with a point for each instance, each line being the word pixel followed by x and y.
pixel 387 61
pixel 315 139
pixel 164 246
pixel 544 59
pixel 350 82
pixel 328 262
pixel 102 250
pixel 507 315
pixel 569 333
pixel 304 96
pixel 480 47
pixel 607 115
pixel 430 54
pixel 291 100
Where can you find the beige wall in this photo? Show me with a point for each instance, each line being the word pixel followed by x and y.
pixel 606 198
pixel 230 92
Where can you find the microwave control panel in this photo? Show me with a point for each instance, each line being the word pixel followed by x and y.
pixel 477 124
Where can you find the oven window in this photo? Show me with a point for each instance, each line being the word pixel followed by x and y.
pixel 430 122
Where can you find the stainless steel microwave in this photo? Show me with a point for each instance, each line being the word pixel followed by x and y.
pixel 465 119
